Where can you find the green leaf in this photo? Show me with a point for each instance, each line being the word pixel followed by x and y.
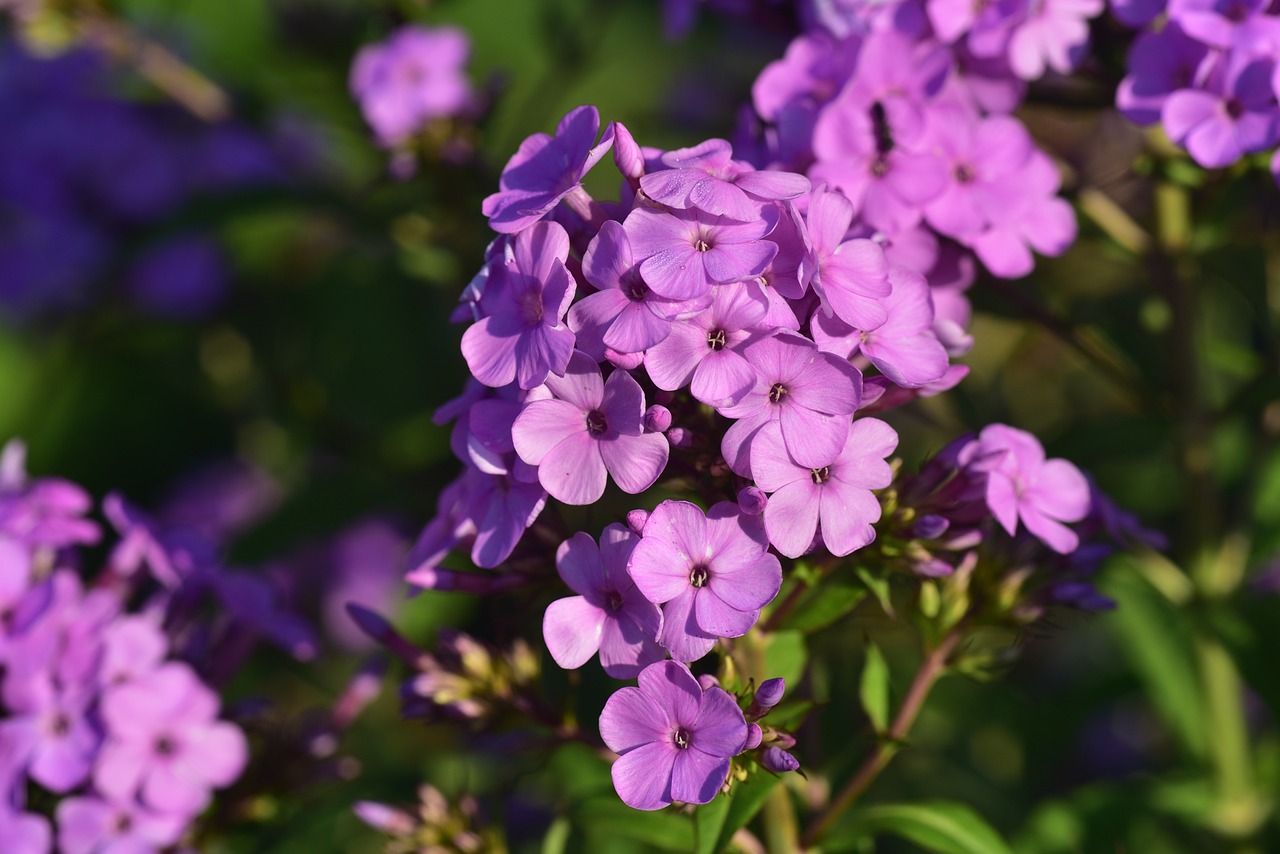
pixel 941 826
pixel 1157 640
pixel 557 836
pixel 875 688
pixel 745 801
pixel 708 820
pixel 824 604
pixel 666 830
pixel 879 587
pixel 785 656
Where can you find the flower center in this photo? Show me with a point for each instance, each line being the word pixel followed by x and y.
pixel 122 823
pixel 614 600
pixel 1236 12
pixel 531 306
pixel 776 392
pixel 699 575
pixel 596 422
pixel 634 287
pixel 821 475
pixel 681 738
pixel 964 173
pixel 716 339
pixel 60 725
pixel 701 245
pixel 164 746
pixel 879 167
pixel 1233 107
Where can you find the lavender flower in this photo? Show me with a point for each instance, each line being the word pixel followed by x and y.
pixel 674 739
pixel 92 825
pixel 1023 485
pixel 610 615
pixel 685 253
pixel 711 570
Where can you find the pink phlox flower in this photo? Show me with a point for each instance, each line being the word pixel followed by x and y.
pixel 1032 217
pixel 708 178
pixel 849 276
pixel 545 169
pixel 1024 486
pixel 837 495
pixel 1054 35
pixel 1240 117
pixel 94 825
pixel 591 428
pixel 712 571
pixel 674 738
pixel 165 743
pixel 624 316
pixel 811 394
pixel 24 832
pixel 703 352
pixel 522 336
pixel 904 348
pixel 684 253
pixel 610 615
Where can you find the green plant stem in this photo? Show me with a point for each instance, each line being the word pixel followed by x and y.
pixel 780 830
pixel 931 669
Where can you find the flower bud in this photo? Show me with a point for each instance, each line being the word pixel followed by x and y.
pixel 930 526
pixel 754 736
pixel 627 155
pixel 768 695
pixel 636 520
pixel 657 419
pixel 706 680
pixel 752 500
pixel 778 760
pixel 389 820
pixel 784 740
pixel 680 438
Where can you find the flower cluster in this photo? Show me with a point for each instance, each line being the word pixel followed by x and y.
pixel 732 324
pixel 1208 75
pixel 100 705
pixel 412 78
pixel 85 177
pixel 904 107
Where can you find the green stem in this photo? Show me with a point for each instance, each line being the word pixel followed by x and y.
pixel 780 828
pixel 931 669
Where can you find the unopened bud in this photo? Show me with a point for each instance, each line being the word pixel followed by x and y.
pixel 768 695
pixel 657 419
pixel 636 520
pixel 778 760
pixel 754 736
pixel 680 438
pixel 930 526
pixel 752 500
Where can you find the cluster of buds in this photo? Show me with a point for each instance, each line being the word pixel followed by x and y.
pixel 435 826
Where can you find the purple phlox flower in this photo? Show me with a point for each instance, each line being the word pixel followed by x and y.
pixel 850 276
pixel 445 532
pixel 1024 485
pixel 708 178
pixel 47 511
pixel 1136 13
pixel 814 68
pixel 523 337
pixel 896 76
pixel 904 347
pixel 986 83
pixel 1218 128
pixel 132 645
pixel 222 499
pixel 1218 23
pixel 362 564
pixel 165 743
pixel 257 605
pixel 24 832
pixel 984 156
pixel 684 253
pixel 63 635
pixel 1159 63
pixel 51 729
pixel 951 315
pixel 590 429
pixel 173 556
pixel 610 616
pixel 416 75
pixel 501 508
pixel 1054 35
pixel 624 315
pixel 703 352
pixel 1120 525
pixel 545 169
pixel 482 436
pixel 985 27
pixel 1033 217
pixel 880 394
pixel 712 571
pixel 812 395
pixel 181 279
pixel 674 739
pixel 837 495
pixel 888 184
pixel 93 825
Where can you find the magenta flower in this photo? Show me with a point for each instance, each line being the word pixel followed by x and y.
pixel 591 429
pixel 625 315
pixel 91 825
pixel 685 252
pixel 610 616
pixel 850 276
pixel 546 169
pixel 712 571
pixel 416 75
pixel 707 177
pixel 703 351
pixel 24 832
pixel 985 156
pixel 674 739
pixel 1025 214
pixel 523 337
pixel 1159 63
pixel 1053 35
pixel 51 728
pixel 811 394
pixel 837 495
pixel 165 743
pixel 1024 485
